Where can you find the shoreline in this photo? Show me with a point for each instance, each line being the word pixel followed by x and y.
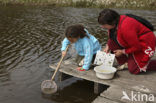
pixel 130 4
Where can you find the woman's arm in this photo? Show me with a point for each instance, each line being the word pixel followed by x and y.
pixel 131 37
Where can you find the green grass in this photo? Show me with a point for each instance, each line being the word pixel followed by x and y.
pixel 135 4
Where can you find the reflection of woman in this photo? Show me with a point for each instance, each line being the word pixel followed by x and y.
pixel 128 36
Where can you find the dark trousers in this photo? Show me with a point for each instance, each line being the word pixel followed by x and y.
pixel 132 66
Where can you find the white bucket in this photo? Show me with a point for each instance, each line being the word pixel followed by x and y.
pixel 105 72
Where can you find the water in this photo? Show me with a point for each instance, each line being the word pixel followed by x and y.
pixel 30 40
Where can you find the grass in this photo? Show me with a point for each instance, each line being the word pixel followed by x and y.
pixel 136 4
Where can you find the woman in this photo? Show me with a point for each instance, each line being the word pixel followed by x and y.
pixel 127 36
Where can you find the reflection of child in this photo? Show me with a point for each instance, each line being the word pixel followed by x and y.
pixel 86 45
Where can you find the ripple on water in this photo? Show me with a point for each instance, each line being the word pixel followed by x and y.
pixel 30 39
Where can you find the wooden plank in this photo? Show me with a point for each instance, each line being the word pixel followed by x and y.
pixel 63 76
pixel 98 88
pixel 100 99
pixel 116 93
pixel 122 78
pixel 155 32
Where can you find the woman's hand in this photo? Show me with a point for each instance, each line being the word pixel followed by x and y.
pixel 118 52
pixel 63 53
pixel 106 49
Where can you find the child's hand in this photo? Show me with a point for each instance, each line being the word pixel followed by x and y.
pixel 80 69
pixel 63 53
pixel 106 49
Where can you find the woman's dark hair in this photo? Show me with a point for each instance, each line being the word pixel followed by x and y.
pixel 75 31
pixel 108 16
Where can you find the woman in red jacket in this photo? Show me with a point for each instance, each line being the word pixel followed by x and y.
pixel 130 41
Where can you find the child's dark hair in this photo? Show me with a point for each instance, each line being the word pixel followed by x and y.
pixel 108 16
pixel 75 31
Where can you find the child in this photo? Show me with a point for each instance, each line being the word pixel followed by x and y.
pixel 86 45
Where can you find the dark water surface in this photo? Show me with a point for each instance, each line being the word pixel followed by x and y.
pixel 30 39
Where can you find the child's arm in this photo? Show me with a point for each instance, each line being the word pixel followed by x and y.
pixel 65 43
pixel 88 50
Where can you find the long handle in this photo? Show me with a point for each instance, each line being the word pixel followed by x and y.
pixel 59 64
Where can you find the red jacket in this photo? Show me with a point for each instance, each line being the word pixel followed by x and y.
pixel 137 40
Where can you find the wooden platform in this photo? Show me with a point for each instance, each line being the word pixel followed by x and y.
pixel 123 80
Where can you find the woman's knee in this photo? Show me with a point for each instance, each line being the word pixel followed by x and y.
pixel 134 72
pixel 134 69
pixel 132 65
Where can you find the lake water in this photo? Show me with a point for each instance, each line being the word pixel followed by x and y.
pixel 30 40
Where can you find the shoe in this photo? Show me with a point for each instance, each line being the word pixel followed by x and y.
pixel 121 67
